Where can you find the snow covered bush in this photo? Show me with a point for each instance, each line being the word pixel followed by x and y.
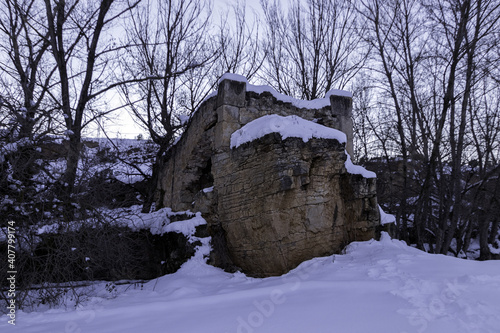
pixel 52 251
pixel 22 187
pixel 53 260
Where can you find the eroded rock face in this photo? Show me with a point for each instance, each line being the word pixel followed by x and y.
pixel 286 201
pixel 274 202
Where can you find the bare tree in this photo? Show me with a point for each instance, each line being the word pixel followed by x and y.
pixel 396 34
pixel 169 43
pixel 26 116
pixel 26 72
pixel 75 30
pixel 469 28
pixel 235 48
pixel 483 184
pixel 430 56
pixel 238 41
pixel 312 48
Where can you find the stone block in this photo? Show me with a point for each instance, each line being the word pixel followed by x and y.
pixel 231 93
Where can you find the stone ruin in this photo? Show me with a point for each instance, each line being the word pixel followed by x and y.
pixel 270 203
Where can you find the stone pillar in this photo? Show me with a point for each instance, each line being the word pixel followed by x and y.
pixel 342 107
pixel 230 98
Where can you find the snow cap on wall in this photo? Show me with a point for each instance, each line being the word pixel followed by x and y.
pixel 290 126
pixel 300 103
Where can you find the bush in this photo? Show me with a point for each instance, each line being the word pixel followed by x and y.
pixel 50 263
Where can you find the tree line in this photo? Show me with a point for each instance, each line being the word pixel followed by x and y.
pixel 424 76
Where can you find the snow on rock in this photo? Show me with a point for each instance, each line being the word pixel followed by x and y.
pixel 338 92
pixel 48 229
pixel 290 126
pixel 313 104
pixel 129 175
pixel 233 77
pixel 386 218
pixel 357 169
pixel 375 286
pixel 187 227
pixel 158 222
pixel 294 126
pixel 208 189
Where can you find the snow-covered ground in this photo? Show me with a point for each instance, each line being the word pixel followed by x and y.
pixel 376 286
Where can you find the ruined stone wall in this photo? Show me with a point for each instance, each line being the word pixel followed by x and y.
pixel 236 107
pixel 274 203
pixel 284 201
pixel 337 115
pixel 187 166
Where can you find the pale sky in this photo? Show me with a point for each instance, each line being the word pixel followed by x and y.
pixel 122 124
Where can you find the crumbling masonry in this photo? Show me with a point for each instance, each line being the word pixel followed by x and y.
pixel 271 203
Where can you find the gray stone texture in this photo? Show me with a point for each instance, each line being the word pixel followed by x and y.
pixel 275 202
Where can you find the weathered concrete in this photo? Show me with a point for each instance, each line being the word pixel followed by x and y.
pixel 275 203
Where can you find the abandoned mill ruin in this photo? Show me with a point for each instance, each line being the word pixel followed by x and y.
pixel 272 177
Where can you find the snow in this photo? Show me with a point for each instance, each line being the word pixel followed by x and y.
pixel 208 189
pixel 183 119
pixel 48 229
pixel 338 92
pixel 129 175
pixel 124 157
pixel 157 222
pixel 12 147
pixel 294 126
pixel 299 103
pixel 187 227
pixel 375 286
pixel 357 169
pixel 386 218
pixel 290 126
pixel 495 249
pixel 233 77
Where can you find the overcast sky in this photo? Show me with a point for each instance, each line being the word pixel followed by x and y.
pixel 121 124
